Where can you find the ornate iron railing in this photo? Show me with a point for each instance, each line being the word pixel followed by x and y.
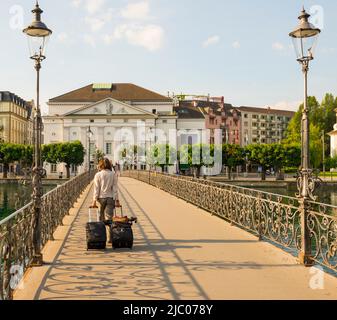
pixel 269 216
pixel 16 232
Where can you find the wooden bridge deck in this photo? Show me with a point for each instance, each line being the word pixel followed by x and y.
pixel 181 252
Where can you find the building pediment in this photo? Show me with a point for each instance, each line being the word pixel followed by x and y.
pixel 108 107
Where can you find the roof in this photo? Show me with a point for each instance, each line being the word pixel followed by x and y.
pixel 11 97
pixel 120 91
pixel 205 107
pixel 189 112
pixel 267 111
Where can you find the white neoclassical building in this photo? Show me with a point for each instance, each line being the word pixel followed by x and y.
pixel 116 114
pixel 333 140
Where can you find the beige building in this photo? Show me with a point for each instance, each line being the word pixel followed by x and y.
pixel 263 125
pixel 16 125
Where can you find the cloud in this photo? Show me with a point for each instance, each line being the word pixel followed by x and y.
pixel 286 105
pixel 150 37
pixel 236 45
pixel 136 11
pixel 93 6
pixel 90 40
pixel 62 37
pixel 211 41
pixel 76 3
pixel 131 25
pixel 96 23
pixel 278 46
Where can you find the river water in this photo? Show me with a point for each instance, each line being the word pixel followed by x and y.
pixel 14 196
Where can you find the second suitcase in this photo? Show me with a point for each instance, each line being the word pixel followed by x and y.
pixel 122 235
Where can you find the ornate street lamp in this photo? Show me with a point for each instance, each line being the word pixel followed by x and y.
pixel 38 35
pixel 90 135
pixel 305 38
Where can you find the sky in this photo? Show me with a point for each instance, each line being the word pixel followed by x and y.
pixel 237 49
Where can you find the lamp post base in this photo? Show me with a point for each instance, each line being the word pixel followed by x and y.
pixel 305 260
pixel 37 260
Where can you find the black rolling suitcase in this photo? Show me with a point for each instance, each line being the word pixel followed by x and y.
pixel 121 232
pixel 96 233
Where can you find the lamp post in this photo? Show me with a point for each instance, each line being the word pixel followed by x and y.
pixel 38 34
pixel 305 38
pixel 90 134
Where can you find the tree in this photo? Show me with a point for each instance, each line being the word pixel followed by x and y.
pixel 232 156
pixel 331 163
pixel 265 155
pixel 292 155
pixel 27 156
pixel 197 156
pixel 294 128
pixel 322 119
pixel 50 153
pixel 161 155
pixel 70 153
pixel 9 153
pixel 99 155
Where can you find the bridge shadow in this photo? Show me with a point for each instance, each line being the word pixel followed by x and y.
pixel 153 270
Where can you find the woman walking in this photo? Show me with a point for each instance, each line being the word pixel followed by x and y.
pixel 106 190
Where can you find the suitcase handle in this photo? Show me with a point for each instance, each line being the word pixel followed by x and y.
pixel 121 207
pixel 90 213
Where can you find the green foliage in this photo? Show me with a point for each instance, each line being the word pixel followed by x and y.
pixel 10 153
pixel 69 153
pixel 99 155
pixel 331 163
pixel 232 155
pixel 322 119
pixel 276 156
pixel 161 155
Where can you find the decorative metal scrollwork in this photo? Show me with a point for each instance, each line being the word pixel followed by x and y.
pixel 16 233
pixel 314 182
pixel 271 217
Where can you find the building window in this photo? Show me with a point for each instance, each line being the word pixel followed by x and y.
pixel 92 121
pixel 53 168
pixel 73 169
pixel 164 121
pixel 108 120
pixel 92 150
pixel 246 124
pixel 255 116
pixel 108 148
pixel 246 116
